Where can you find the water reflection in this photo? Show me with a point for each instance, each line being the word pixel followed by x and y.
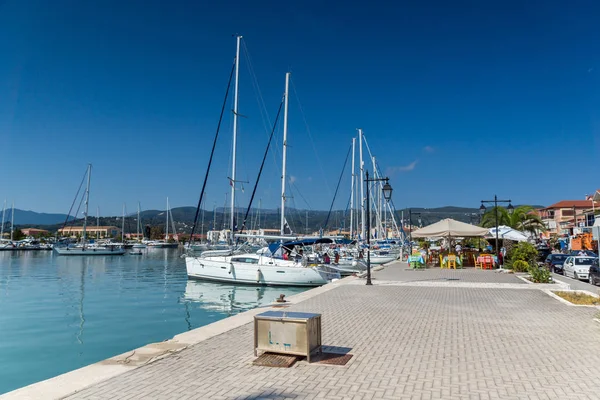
pixel 232 299
pixel 61 313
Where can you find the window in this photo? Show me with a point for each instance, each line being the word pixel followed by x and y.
pixel 245 260
pixel 584 261
pixel 567 212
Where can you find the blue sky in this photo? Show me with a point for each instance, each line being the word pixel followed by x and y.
pixel 458 100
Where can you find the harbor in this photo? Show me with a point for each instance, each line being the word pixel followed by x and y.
pixel 431 333
pixel 62 313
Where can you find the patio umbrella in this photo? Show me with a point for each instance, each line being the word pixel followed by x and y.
pixel 449 227
pixel 507 233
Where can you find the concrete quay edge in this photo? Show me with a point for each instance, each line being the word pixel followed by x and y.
pixel 71 382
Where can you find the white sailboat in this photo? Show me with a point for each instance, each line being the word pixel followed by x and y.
pixel 165 244
pixel 139 244
pixel 261 268
pixel 84 248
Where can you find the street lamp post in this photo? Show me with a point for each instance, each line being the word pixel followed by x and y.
pixel 387 195
pixel 510 209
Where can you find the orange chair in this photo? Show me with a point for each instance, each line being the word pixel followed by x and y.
pixel 488 262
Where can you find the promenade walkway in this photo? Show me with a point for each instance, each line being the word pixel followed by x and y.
pixel 431 334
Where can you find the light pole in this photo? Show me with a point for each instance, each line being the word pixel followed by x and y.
pixel 387 195
pixel 410 214
pixel 510 209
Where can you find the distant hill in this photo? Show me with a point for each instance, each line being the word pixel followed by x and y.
pixel 23 217
pixel 301 221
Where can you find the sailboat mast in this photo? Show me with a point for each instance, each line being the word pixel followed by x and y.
pixel 362 185
pixel 352 191
pixel 87 203
pixel 138 223
pixel 123 226
pixel 377 199
pixel 235 123
pixel 285 127
pixel 97 222
pixel 12 221
pixel 167 232
pixel 202 226
pixel 2 228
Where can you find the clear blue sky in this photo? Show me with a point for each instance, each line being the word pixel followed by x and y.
pixel 458 100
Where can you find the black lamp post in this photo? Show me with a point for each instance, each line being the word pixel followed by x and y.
pixel 510 209
pixel 387 195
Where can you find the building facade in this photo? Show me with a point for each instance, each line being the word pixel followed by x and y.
pixel 101 232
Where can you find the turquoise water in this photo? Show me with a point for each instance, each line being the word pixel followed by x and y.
pixel 60 313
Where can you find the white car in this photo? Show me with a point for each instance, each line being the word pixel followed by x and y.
pixel 578 267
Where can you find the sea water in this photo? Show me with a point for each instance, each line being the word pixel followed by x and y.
pixel 59 313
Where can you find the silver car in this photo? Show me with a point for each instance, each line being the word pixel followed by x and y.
pixel 578 267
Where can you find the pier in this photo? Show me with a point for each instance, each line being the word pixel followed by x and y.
pixel 414 334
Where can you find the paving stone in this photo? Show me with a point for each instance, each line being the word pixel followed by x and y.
pixel 408 342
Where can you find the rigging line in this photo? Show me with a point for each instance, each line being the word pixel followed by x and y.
pixel 257 92
pixel 309 134
pixel 292 184
pixel 262 166
pixel 338 187
pixel 266 120
pixel 75 199
pixel 212 151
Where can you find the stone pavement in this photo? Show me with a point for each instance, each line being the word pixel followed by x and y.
pixel 408 342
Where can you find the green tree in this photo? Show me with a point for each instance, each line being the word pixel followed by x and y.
pixel 522 219
pixel 18 234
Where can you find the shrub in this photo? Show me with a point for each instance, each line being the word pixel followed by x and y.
pixel 540 275
pixel 524 252
pixel 520 266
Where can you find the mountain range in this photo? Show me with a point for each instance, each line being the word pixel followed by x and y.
pixel 300 221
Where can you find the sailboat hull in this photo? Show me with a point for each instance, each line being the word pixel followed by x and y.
pixel 74 251
pixel 221 269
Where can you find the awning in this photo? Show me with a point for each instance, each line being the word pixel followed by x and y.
pixel 450 227
pixel 507 233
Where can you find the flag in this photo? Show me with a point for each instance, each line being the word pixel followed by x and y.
pixel 286 227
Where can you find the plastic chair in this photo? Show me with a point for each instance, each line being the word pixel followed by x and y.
pixel 451 261
pixel 488 262
pixel 477 263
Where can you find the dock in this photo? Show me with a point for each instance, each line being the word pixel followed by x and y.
pixel 414 334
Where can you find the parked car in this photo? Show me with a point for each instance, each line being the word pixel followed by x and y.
pixel 578 267
pixel 543 252
pixel 587 253
pixel 594 275
pixel 554 262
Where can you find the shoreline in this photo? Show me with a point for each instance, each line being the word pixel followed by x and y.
pixel 71 382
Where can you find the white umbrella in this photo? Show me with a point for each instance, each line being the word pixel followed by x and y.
pixel 449 227
pixel 507 233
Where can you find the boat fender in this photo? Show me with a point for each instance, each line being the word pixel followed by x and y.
pixel 230 267
pixel 258 272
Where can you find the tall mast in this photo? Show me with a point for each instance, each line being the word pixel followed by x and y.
pixel 167 233
pixel 377 199
pixel 12 222
pixel 285 127
pixel 87 202
pixel 2 228
pixel 362 185
pixel 97 222
pixel 235 122
pixel 123 226
pixel 214 219
pixel 138 223
pixel 202 226
pixel 351 192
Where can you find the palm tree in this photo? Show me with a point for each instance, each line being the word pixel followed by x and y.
pixel 521 219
